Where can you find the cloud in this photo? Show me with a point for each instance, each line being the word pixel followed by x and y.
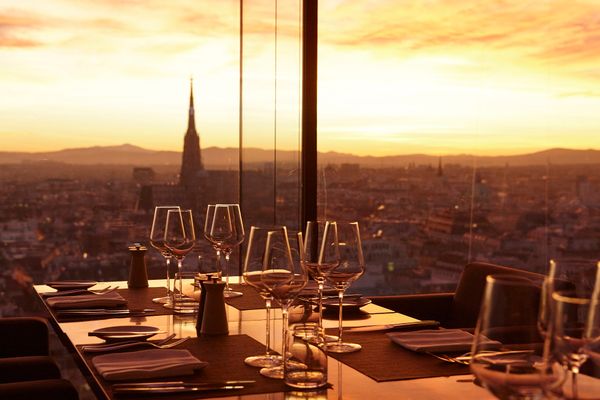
pixel 544 32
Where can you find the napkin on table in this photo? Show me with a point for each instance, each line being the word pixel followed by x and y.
pixel 147 364
pixel 438 340
pixel 109 299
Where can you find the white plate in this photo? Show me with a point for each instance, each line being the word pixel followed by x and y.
pixel 126 332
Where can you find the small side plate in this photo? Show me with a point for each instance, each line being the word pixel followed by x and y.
pixel 349 304
pixel 127 332
pixel 70 285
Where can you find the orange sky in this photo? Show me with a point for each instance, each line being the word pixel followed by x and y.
pixel 434 76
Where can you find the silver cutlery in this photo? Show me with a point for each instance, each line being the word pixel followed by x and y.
pixel 125 333
pixel 120 346
pixel 101 311
pixel 466 358
pixel 112 344
pixel 182 383
pixel 75 292
pixel 172 389
pixel 399 326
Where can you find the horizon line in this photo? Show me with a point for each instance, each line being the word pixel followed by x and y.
pixel 427 154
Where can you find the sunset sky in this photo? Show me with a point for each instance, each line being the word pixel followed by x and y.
pixel 395 76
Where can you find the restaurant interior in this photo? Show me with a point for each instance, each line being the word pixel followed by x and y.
pixel 298 265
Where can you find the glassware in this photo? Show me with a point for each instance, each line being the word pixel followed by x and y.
pixel 306 347
pixel 592 342
pixel 157 240
pixel 284 276
pixel 224 229
pixel 254 266
pixel 318 258
pixel 506 317
pixel 180 238
pixel 343 240
pixel 566 346
pixel 186 301
pixel 564 275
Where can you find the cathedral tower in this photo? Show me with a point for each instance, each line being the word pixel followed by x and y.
pixel 191 161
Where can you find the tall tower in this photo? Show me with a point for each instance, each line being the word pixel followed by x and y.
pixel 191 161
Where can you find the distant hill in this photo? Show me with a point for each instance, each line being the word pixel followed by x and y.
pixel 220 158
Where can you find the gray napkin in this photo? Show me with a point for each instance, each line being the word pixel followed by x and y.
pixel 146 364
pixel 110 299
pixel 438 340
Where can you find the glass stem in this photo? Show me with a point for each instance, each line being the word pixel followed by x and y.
pixel 268 338
pixel 219 270
pixel 168 261
pixel 574 373
pixel 320 291
pixel 179 268
pixel 341 302
pixel 284 322
pixel 227 272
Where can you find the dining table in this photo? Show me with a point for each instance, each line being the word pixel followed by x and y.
pixel 380 370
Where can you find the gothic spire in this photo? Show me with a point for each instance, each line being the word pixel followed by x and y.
pixel 191 117
pixel 191 160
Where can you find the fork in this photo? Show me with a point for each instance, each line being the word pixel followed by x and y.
pixel 466 358
pixel 104 290
pixel 121 346
pixel 457 360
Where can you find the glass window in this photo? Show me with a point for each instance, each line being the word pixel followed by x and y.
pixel 459 131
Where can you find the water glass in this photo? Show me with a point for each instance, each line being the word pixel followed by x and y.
pixel 512 369
pixel 306 364
pixel 567 350
pixel 186 293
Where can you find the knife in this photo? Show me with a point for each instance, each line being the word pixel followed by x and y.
pixel 180 383
pixel 392 327
pixel 172 389
pixel 125 333
pixel 101 311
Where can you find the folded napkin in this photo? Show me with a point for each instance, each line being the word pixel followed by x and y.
pixel 109 299
pixel 438 340
pixel 147 364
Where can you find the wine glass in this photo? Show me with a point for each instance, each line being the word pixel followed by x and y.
pixel 566 345
pixel 284 276
pixel 592 337
pixel 180 238
pixel 564 275
pixel 507 348
pixel 157 240
pixel 226 231
pixel 254 266
pixel 318 257
pixel 343 241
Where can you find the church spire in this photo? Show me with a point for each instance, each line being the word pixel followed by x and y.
pixel 191 117
pixel 191 160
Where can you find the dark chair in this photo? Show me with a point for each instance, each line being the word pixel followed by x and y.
pixel 26 369
pixel 453 310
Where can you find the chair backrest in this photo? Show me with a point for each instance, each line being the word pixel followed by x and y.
pixel 469 292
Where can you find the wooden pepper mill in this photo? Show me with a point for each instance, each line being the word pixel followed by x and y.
pixel 214 316
pixel 138 275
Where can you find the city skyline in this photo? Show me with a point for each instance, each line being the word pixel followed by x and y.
pixel 420 76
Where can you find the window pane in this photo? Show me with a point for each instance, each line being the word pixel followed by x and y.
pixel 456 132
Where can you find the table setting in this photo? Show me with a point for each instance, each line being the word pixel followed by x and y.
pixel 514 352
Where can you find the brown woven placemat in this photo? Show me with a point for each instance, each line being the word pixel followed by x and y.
pixel 138 299
pixel 250 300
pixel 225 356
pixel 382 360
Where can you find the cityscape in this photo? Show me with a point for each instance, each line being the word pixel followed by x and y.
pixel 420 223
